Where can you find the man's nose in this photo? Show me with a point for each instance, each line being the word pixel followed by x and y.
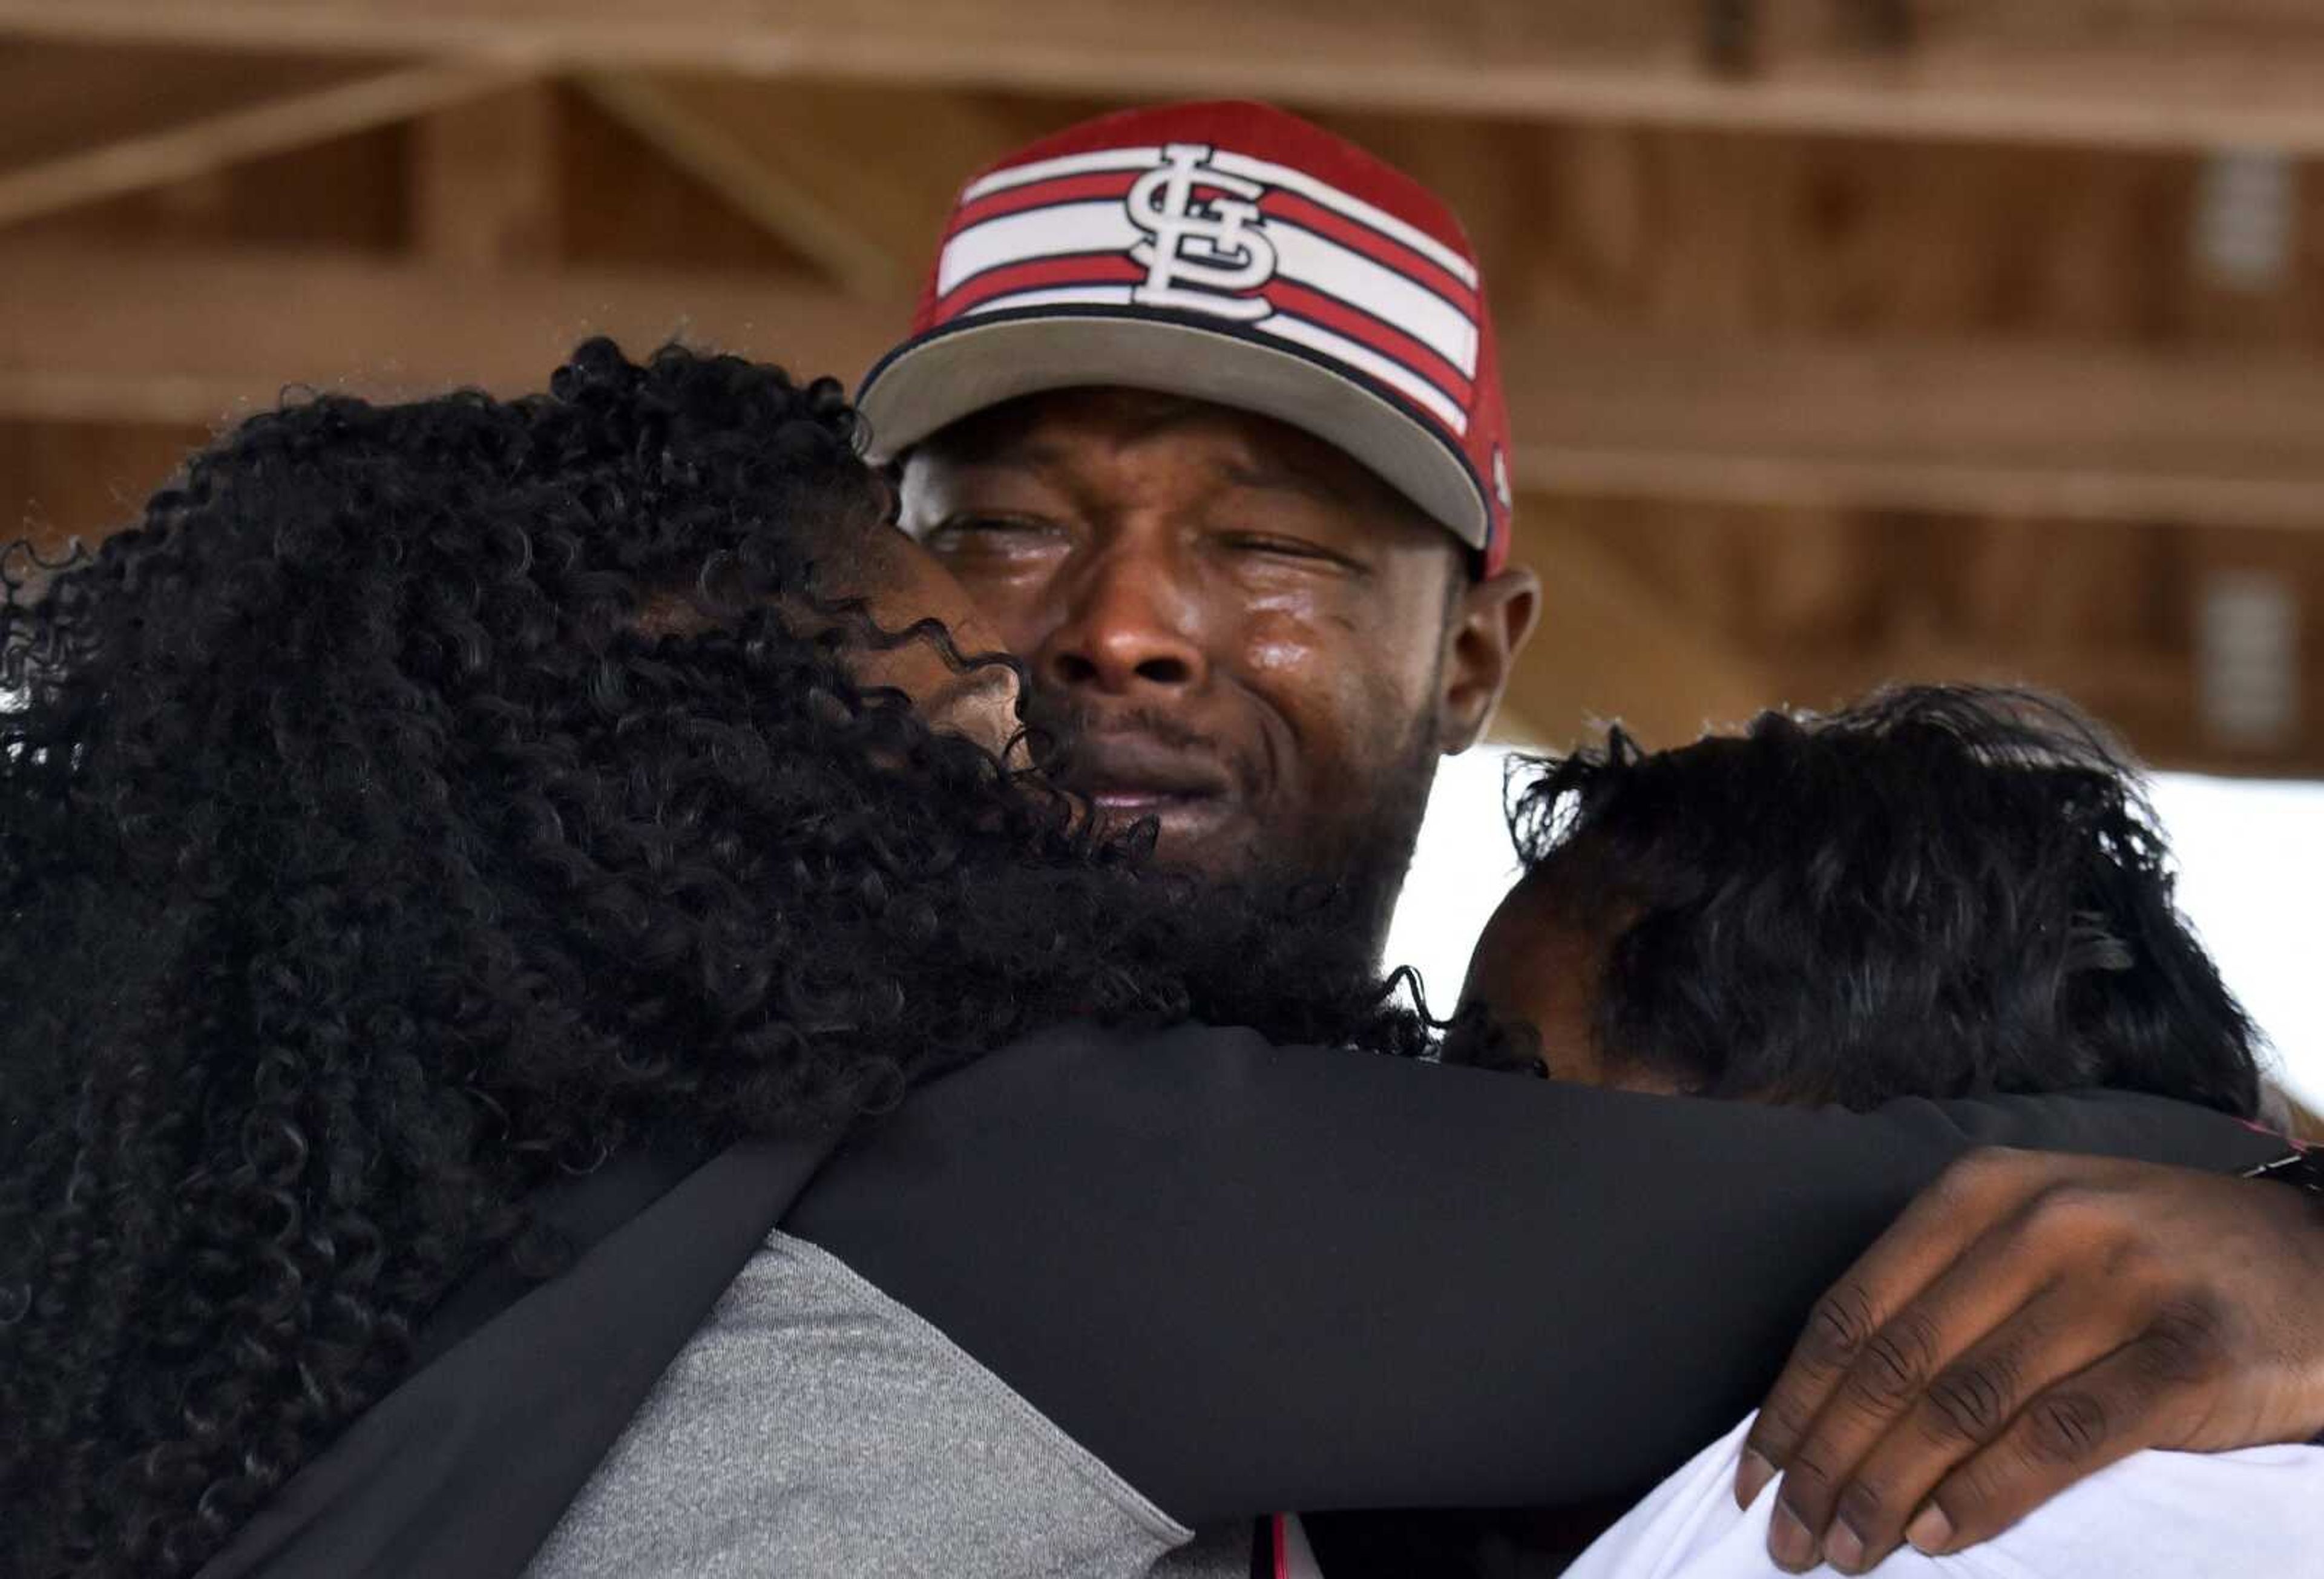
pixel 1132 626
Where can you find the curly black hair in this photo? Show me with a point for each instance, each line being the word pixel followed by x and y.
pixel 1937 891
pixel 365 865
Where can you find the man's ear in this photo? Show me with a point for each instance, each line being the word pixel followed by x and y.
pixel 1481 642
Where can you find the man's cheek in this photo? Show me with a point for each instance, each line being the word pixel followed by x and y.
pixel 1312 691
pixel 1281 653
pixel 1317 657
pixel 1328 689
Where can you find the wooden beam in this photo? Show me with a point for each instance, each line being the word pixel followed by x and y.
pixel 2218 437
pixel 2148 695
pixel 2142 73
pixel 91 334
pixel 59 481
pixel 776 161
pixel 849 174
pixel 483 181
pixel 1611 648
pixel 79 123
pixel 2148 698
pixel 2035 431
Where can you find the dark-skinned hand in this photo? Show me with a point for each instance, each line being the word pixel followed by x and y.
pixel 2028 1320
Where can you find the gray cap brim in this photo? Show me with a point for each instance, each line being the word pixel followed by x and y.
pixel 971 364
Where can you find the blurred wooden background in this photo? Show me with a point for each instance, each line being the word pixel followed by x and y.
pixel 1847 339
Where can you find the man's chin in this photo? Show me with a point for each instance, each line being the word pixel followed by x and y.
pixel 1318 874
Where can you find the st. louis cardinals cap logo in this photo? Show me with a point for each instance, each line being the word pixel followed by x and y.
pixel 1200 256
pixel 1229 251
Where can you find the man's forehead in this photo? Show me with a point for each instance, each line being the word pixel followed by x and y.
pixel 1048 422
pixel 1059 430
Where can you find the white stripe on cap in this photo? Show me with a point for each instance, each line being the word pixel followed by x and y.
pixel 1317 262
pixel 1042 169
pixel 1380 291
pixel 1339 202
pixel 1394 373
pixel 1284 326
pixel 1062 295
pixel 1103 226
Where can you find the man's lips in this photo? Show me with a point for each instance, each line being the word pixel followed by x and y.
pixel 1188 825
pixel 1131 777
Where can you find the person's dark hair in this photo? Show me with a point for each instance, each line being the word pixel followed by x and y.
pixel 364 866
pixel 1937 891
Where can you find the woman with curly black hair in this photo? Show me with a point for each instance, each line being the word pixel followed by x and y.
pixel 465 867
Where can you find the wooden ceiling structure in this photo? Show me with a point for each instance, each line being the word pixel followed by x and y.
pixel 1847 340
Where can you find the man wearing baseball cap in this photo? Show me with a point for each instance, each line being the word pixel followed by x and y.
pixel 1201 403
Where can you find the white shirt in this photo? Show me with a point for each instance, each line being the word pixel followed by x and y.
pixel 2256 1514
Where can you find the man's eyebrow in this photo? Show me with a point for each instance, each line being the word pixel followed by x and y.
pixel 1282 480
pixel 1028 455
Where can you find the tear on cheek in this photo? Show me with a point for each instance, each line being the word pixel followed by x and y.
pixel 1288 652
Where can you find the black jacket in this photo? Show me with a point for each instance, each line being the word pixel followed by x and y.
pixel 1246 1278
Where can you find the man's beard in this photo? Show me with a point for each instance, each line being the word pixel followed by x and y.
pixel 1351 866
pixel 1334 874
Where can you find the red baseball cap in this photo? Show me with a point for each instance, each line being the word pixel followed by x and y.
pixel 1233 252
